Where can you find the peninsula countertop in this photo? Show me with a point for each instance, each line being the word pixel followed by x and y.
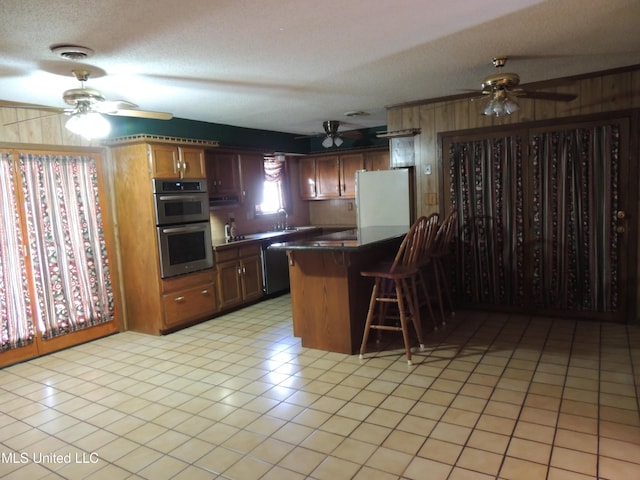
pixel 353 239
pixel 329 297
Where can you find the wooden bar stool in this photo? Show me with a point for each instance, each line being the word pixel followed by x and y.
pixel 395 284
pixel 425 262
pixel 440 252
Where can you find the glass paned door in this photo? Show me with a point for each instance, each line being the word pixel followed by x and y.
pixel 485 187
pixel 544 228
pixel 576 199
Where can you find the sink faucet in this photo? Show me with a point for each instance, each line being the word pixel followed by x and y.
pixel 283 217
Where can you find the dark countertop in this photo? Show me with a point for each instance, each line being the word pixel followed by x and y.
pixel 354 239
pixel 263 237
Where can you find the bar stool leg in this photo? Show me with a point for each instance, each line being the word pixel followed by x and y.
pixel 403 320
pixel 415 311
pixel 370 314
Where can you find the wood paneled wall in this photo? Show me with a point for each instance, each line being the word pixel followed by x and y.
pixel 596 94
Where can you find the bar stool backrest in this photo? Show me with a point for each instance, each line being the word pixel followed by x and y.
pixel 444 236
pixel 412 246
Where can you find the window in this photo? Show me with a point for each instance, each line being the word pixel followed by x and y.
pixel 275 191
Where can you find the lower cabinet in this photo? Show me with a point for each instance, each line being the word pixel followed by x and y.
pixel 239 275
pixel 188 298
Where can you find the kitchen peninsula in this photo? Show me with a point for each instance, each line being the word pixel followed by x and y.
pixel 329 297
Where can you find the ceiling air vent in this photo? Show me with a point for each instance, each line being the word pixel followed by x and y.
pixel 71 52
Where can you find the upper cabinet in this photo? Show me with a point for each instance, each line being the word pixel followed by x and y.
pixel 223 173
pixel 170 161
pixel 307 177
pixel 349 165
pixel 327 177
pixel 377 160
pixel 334 176
pixel 252 178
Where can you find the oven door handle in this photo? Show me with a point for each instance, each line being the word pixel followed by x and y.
pixel 185 228
pixel 196 197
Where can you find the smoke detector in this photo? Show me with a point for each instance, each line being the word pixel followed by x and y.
pixel 71 52
pixel 356 113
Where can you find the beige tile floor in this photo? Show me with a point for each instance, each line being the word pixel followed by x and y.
pixel 492 396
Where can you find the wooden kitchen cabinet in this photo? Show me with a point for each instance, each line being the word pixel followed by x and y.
pixel 307 177
pixel 329 176
pixel 252 178
pixel 377 160
pixel 189 297
pixel 170 161
pixel 239 275
pixel 349 165
pixel 223 173
pixel 154 305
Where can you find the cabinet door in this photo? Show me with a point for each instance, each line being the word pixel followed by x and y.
pixel 349 165
pixel 377 160
pixel 252 179
pixel 229 285
pixel 327 177
pixel 164 161
pixel 223 173
pixel 307 178
pixel 192 163
pixel 251 278
pixel 191 304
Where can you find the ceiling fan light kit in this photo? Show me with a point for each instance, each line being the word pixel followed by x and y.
pixel 502 103
pixel 333 137
pixel 89 125
pixel 502 89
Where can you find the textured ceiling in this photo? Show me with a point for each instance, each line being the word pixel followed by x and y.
pixel 287 65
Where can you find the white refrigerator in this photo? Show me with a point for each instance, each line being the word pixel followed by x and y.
pixel 384 198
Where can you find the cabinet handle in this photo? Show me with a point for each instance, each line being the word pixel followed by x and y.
pixel 205 292
pixel 239 271
pixel 244 271
pixel 179 299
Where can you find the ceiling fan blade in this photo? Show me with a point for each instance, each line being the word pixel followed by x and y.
pixel 39 117
pixel 554 96
pixel 354 134
pixel 109 106
pixel 30 106
pixel 124 112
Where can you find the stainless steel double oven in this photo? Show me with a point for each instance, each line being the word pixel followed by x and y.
pixel 182 223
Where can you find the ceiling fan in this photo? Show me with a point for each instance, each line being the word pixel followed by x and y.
pixel 87 107
pixel 501 91
pixel 334 136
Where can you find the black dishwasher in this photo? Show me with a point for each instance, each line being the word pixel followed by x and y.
pixel 275 270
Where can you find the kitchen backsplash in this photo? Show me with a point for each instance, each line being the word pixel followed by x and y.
pixel 336 212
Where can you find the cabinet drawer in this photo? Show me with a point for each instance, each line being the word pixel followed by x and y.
pixel 188 281
pixel 191 304
pixel 226 255
pixel 249 250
